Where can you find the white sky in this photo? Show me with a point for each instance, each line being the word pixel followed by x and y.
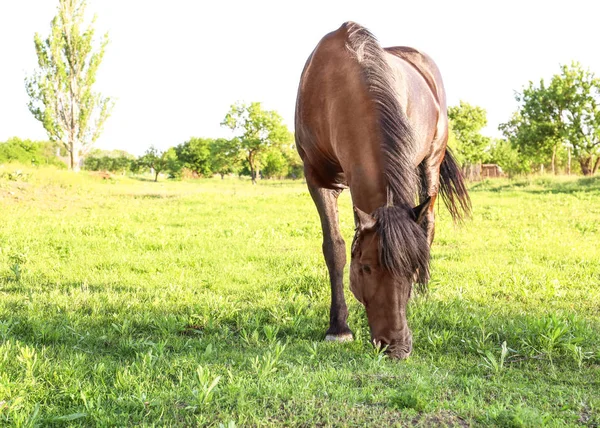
pixel 175 67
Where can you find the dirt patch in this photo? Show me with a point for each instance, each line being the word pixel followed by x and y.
pixel 443 418
pixel 588 418
pixel 191 330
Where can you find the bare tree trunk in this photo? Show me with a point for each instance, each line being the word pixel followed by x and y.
pixel 252 167
pixel 74 158
pixel 569 161
pixel 585 163
pixel 156 176
pixel 542 169
pixel 553 160
pixel 596 164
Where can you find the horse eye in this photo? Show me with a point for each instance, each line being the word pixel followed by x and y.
pixel 366 269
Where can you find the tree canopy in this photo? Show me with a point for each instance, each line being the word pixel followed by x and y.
pixel 466 123
pixel 195 155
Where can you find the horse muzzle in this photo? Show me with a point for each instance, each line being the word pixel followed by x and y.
pixel 395 349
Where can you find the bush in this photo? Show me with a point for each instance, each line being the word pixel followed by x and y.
pixel 295 167
pixel 29 152
pixel 115 161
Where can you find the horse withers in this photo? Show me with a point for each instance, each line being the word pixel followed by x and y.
pixel 374 120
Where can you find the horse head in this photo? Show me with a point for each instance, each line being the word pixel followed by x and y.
pixel 390 250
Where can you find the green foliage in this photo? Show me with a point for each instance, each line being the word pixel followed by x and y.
pixel 29 152
pixel 207 156
pixel 579 91
pixel 563 115
pixel 536 130
pixel 115 161
pixel 173 165
pixel 157 161
pixel 295 167
pixel 258 131
pixel 283 162
pixel 274 164
pixel 509 158
pixel 195 155
pixel 466 123
pixel 60 90
pixel 225 156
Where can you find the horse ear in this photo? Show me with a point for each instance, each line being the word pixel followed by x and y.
pixel 420 211
pixel 363 220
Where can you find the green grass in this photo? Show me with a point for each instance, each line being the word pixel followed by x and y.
pixel 126 302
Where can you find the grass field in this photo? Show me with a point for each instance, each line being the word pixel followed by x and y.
pixel 127 302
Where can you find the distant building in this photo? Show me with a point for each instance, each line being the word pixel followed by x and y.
pixel 478 171
pixel 491 170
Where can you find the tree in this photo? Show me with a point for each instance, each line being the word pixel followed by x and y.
pixel 195 155
pixel 466 123
pixel 536 129
pixel 509 158
pixel 579 91
pixel 60 90
pixel 563 114
pixel 160 162
pixel 225 156
pixel 258 129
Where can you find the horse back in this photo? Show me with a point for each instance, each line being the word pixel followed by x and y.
pixel 426 67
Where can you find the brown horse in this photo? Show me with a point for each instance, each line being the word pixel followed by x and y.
pixel 374 120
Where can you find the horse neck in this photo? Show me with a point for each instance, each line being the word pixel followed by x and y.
pixel 361 160
pixel 368 187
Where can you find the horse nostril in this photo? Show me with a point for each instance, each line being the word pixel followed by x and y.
pixel 400 349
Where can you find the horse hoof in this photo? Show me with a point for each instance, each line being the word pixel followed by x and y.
pixel 346 337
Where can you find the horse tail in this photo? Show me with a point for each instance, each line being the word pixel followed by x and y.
pixel 453 189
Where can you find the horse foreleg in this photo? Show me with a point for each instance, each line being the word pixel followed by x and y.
pixel 334 250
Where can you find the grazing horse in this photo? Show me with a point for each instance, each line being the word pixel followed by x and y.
pixel 374 120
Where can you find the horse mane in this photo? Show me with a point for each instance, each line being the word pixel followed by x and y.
pixel 403 247
pixel 397 142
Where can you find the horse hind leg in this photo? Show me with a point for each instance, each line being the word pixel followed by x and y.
pixel 334 251
pixel 429 175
